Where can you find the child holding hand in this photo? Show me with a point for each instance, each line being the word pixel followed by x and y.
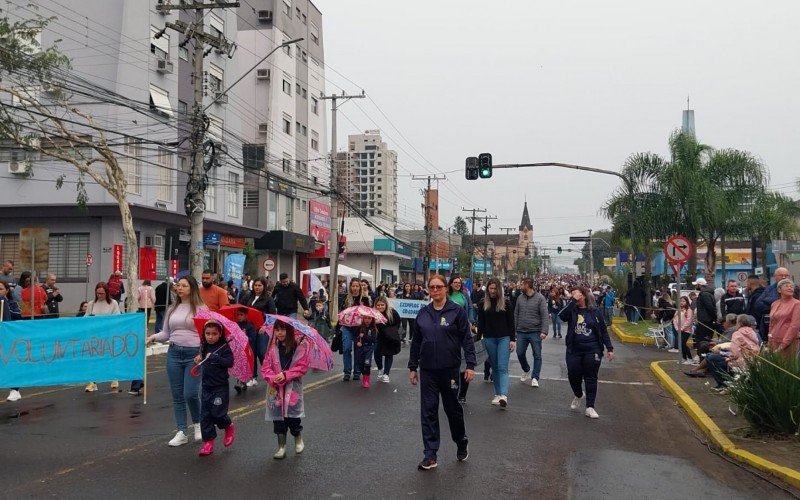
pixel 365 347
pixel 215 357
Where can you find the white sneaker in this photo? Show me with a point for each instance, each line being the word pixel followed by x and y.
pixel 496 400
pixel 524 378
pixel 673 350
pixel 14 395
pixel 198 436
pixel 252 382
pixel 179 439
pixel 591 413
pixel 687 362
pixel 576 403
pixel 534 382
pixel 380 374
pixel 385 379
pixel 503 401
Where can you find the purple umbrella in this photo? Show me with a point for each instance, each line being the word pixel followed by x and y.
pixel 320 355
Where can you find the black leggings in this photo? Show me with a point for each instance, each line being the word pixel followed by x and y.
pixel 685 351
pixel 582 369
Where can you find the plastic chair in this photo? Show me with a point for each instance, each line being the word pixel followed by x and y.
pixel 659 335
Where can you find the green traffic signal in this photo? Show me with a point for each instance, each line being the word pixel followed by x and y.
pixel 485 164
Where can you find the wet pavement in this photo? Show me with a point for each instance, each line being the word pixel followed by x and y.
pixel 361 443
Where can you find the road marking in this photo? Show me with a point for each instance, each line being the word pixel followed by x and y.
pixel 612 382
pixel 241 412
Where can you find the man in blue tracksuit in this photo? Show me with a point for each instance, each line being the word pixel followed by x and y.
pixel 438 335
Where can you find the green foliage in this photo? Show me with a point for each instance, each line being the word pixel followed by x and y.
pixel 768 396
pixel 22 59
pixel 460 226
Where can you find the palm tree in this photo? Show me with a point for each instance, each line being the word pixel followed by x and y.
pixel 773 215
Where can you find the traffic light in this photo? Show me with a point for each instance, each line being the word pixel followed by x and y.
pixel 485 165
pixel 472 168
pixel 559 249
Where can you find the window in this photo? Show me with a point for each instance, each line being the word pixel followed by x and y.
pixel 289 214
pixel 287 164
pixel 183 53
pixel 287 49
pixel 215 78
pixel 253 156
pixel 233 194
pixel 183 163
pixel 68 255
pixel 302 169
pixel 314 140
pixel 305 130
pixel 287 88
pixel 304 206
pixel 161 264
pixel 304 57
pixel 287 124
pixel 216 26
pixel 314 32
pixel 159 101
pixel 215 128
pixel 297 12
pixel 9 247
pixel 297 88
pixel 314 106
pixel 211 196
pixel 183 108
pixel 304 18
pixel 287 7
pixel 159 46
pixel 131 152
pixel 272 211
pixel 297 127
pixel 250 199
pixel 164 191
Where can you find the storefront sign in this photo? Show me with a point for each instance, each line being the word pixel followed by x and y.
pixel 116 259
pixel 212 238
pixel 173 267
pixel 231 241
pixel 282 187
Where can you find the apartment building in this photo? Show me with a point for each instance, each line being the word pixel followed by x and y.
pixel 367 175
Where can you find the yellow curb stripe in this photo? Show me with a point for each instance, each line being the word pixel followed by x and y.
pixel 717 436
pixel 628 339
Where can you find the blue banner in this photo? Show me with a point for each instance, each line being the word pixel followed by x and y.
pixel 408 309
pixel 233 269
pixel 72 350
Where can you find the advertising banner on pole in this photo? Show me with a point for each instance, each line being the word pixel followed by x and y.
pixel 408 309
pixel 233 269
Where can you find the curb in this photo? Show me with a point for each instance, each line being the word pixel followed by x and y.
pixel 716 435
pixel 628 339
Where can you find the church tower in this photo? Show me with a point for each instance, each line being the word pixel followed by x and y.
pixel 525 229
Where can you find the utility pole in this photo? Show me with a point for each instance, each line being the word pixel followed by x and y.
pixel 472 250
pixel 505 265
pixel 333 278
pixel 428 222
pixel 486 227
pixel 591 260
pixel 194 202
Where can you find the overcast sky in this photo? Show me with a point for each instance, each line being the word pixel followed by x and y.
pixel 578 82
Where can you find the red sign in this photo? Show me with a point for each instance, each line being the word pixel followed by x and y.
pixel 116 261
pixel 231 241
pixel 147 263
pixel 173 267
pixel 676 268
pixel 89 260
pixel 268 265
pixel 677 249
pixel 319 226
pixel 342 247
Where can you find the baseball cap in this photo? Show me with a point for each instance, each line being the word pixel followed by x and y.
pixel 700 281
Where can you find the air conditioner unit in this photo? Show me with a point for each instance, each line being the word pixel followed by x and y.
pixel 263 128
pixel 17 167
pixel 265 16
pixel 262 74
pixel 164 66
pixel 220 98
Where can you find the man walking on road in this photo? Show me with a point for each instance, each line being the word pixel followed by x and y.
pixel 213 296
pixel 286 296
pixel 532 322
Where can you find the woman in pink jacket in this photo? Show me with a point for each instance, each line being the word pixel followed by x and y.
pixel 686 316
pixel 285 363
pixel 147 299
pixel 784 320
pixel 744 344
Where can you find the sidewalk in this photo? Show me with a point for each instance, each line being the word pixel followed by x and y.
pixel 716 416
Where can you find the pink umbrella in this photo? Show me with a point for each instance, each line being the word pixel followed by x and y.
pixel 352 315
pixel 319 352
pixel 242 368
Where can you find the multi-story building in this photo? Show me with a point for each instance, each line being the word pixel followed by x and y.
pixel 284 143
pixel 368 177
pixel 253 192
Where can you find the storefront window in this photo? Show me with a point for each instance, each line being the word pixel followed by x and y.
pixel 272 212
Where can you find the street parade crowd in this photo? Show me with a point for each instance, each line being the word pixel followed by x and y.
pixel 217 332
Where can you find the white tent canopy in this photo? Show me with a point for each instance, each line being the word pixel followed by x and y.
pixel 342 270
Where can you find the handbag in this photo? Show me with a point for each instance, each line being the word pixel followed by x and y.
pixel 336 343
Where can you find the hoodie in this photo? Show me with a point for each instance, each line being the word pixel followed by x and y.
pixel 215 369
pixel 438 337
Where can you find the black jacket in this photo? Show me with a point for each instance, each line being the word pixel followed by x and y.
pixel 52 301
pixel 752 304
pixel 264 303
pixel 570 315
pixel 706 307
pixel 438 337
pixel 287 297
pixel 163 297
pixel 215 369
pixel 389 336
pixel 496 324
pixel 666 311
pixel 731 304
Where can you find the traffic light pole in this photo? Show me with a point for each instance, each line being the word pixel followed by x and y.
pixel 628 184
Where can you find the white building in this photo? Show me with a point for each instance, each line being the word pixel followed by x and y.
pixel 369 177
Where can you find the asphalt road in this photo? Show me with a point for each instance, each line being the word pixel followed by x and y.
pixel 61 442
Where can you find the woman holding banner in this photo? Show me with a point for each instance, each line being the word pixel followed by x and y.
pixel 102 305
pixel 9 311
pixel 184 340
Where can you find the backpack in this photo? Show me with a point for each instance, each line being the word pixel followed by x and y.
pixel 115 287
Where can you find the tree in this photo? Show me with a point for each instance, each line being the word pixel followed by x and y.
pixel 36 115
pixel 460 226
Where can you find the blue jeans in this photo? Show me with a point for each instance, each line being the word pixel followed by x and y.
pixel 636 316
pixel 185 388
pixel 159 321
pixel 347 349
pixel 383 363
pixel 292 315
pixel 556 324
pixel 497 349
pixel 669 332
pixel 523 341
pixel 609 315
pixel 718 366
